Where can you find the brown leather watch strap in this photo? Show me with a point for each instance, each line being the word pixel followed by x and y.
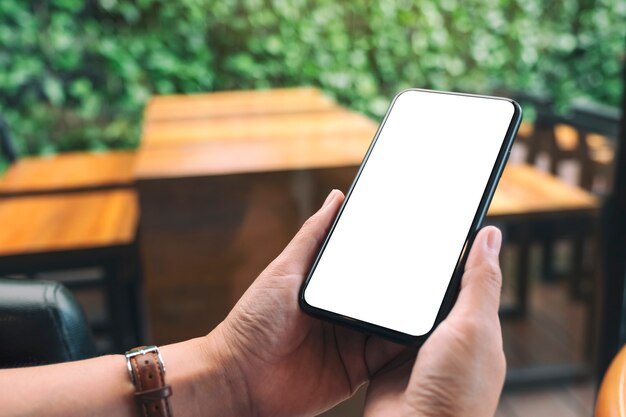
pixel 148 375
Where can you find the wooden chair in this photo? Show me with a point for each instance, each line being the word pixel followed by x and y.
pixel 611 401
pixel 597 127
pixel 73 171
pixel 586 136
pixel 549 136
pixel 583 137
pixel 589 132
pixel 63 232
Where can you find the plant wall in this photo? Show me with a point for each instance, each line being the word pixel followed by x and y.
pixel 76 74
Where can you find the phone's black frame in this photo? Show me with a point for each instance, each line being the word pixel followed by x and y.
pixel 453 286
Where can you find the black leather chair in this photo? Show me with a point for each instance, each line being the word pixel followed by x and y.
pixel 41 323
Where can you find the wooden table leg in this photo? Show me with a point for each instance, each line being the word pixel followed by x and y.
pixel 122 305
pixel 520 235
pixel 204 241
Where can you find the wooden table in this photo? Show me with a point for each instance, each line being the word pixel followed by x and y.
pixel 525 191
pixel 236 104
pixel 76 210
pixel 530 203
pixel 79 230
pixel 70 221
pixel 221 196
pixel 73 171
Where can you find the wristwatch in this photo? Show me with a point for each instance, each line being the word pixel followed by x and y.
pixel 147 373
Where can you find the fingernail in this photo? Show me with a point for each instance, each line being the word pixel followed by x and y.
pixel 330 198
pixel 494 239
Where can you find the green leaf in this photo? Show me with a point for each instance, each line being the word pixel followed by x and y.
pixel 53 89
pixel 73 6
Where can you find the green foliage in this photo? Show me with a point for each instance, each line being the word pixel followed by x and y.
pixel 76 74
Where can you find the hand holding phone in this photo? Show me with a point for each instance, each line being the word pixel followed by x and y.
pixel 289 363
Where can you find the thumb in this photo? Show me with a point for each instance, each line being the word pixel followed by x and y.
pixel 482 279
pixel 297 257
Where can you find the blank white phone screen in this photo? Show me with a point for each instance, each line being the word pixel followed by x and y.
pixel 394 248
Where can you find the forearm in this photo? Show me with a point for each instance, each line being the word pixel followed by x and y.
pixel 96 387
pixel 196 370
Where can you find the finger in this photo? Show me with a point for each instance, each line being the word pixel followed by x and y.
pixel 482 279
pixel 296 258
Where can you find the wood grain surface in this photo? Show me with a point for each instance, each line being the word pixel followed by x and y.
pixel 68 171
pixel 524 190
pixel 236 103
pixel 338 122
pixel 216 158
pixel 67 221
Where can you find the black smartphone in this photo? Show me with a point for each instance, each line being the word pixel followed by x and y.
pixel 392 262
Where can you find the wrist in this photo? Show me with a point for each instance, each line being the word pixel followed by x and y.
pixel 226 372
pixel 205 378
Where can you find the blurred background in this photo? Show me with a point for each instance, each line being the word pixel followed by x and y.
pixel 157 154
pixel 76 74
